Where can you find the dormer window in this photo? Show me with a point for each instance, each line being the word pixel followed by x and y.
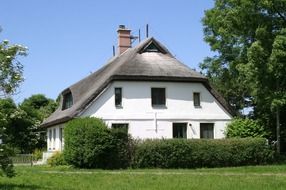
pixel 151 48
pixel 67 100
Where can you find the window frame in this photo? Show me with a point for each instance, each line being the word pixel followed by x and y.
pixel 207 125
pixel 54 138
pixel 184 128
pixel 197 104
pixel 50 138
pixel 121 97
pixel 164 97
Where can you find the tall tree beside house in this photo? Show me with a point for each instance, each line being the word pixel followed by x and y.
pixel 38 107
pixel 249 68
pixel 22 130
pixel 11 76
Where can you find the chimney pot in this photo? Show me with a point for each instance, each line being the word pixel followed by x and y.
pixel 121 26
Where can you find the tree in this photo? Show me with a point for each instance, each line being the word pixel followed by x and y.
pixel 11 70
pixel 11 75
pixel 38 107
pixel 249 68
pixel 22 122
pixel 245 128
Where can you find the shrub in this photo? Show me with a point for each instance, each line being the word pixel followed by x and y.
pixel 245 128
pixel 57 159
pixel 121 152
pixel 37 154
pixel 183 153
pixel 90 144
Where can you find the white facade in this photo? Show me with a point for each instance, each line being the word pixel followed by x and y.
pixel 145 121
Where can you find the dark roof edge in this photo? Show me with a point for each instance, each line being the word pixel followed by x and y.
pixel 56 122
pixel 220 99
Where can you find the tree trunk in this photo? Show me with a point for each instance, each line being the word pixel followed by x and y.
pixel 278 130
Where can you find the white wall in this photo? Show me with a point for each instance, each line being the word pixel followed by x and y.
pixel 146 121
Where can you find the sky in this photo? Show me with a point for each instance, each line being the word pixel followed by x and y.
pixel 69 39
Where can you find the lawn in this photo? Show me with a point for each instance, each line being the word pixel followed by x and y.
pixel 65 178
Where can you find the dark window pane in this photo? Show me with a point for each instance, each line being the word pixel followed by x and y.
pixel 118 97
pixel 120 126
pixel 158 96
pixel 197 101
pixel 179 130
pixel 207 130
pixel 67 100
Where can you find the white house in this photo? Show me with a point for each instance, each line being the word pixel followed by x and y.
pixel 147 90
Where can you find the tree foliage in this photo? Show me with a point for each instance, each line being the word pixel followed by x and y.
pixel 243 128
pixel 11 70
pixel 249 67
pixel 22 122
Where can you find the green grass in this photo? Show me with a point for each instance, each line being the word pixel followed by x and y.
pixel 65 178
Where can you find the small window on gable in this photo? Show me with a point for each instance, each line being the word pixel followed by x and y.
pixel 197 99
pixel 67 100
pixel 118 97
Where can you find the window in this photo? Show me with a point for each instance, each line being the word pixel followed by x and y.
pixel 54 138
pixel 151 48
pixel 158 96
pixel 197 99
pixel 50 138
pixel 179 130
pixel 61 137
pixel 67 100
pixel 122 126
pixel 118 97
pixel 207 130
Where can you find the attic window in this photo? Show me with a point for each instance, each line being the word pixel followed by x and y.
pixel 67 100
pixel 151 48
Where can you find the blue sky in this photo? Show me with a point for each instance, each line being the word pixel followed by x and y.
pixel 69 39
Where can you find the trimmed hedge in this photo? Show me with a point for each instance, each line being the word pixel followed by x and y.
pixel 183 153
pixel 90 144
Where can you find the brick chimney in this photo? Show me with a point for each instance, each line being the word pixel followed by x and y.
pixel 124 39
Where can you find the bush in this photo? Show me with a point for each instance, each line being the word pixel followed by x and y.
pixel 37 154
pixel 57 159
pixel 245 128
pixel 183 153
pixel 121 153
pixel 90 144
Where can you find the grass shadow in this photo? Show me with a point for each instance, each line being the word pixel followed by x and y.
pixel 19 186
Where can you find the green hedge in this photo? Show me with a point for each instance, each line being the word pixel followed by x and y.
pixel 90 144
pixel 182 153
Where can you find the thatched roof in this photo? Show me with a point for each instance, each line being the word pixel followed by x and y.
pixel 132 65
